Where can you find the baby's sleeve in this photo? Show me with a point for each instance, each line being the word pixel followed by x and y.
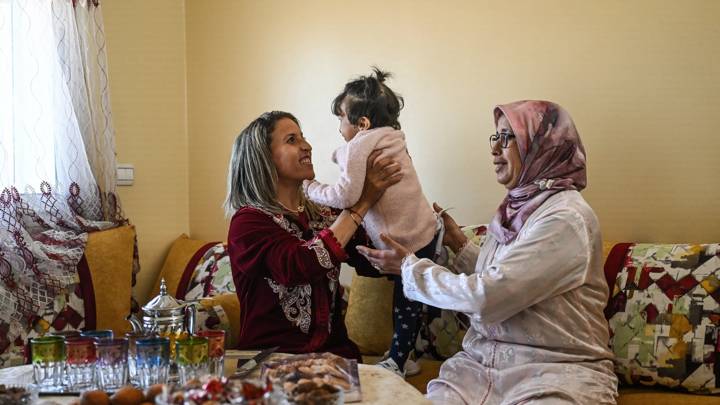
pixel 346 192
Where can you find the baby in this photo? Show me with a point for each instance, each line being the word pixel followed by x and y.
pixel 368 111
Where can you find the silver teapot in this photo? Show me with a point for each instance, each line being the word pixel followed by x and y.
pixel 165 316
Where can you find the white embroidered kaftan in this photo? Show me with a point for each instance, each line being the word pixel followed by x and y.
pixel 538 333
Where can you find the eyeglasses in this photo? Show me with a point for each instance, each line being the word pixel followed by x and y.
pixel 504 139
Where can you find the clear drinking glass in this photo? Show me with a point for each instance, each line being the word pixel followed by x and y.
pixel 132 338
pixel 80 367
pixel 65 334
pixel 48 360
pixel 191 356
pixel 111 365
pixel 216 350
pixel 152 361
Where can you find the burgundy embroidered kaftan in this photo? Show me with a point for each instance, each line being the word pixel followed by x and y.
pixel 286 278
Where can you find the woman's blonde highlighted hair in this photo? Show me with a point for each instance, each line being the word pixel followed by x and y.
pixel 252 176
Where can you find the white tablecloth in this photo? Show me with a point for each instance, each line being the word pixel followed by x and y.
pixel 378 386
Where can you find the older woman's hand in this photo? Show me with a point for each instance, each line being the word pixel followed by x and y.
pixel 386 261
pixel 454 237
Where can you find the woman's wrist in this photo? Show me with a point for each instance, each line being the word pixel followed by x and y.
pixel 360 208
pixel 458 243
pixel 357 218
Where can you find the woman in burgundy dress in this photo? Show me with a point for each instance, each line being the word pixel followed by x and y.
pixel 285 251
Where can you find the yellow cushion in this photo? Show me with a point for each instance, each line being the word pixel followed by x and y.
pixel 231 305
pixel 369 314
pixel 607 247
pixel 109 255
pixel 181 251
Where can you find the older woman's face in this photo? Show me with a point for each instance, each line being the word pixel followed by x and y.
pixel 506 160
pixel 291 153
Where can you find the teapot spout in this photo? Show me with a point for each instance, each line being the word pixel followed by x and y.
pixel 135 322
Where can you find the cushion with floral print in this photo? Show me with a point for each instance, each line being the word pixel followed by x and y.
pixel 211 277
pixel 664 316
pixel 212 274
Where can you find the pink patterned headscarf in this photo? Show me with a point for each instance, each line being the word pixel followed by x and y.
pixel 552 156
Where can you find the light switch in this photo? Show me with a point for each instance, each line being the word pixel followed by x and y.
pixel 125 174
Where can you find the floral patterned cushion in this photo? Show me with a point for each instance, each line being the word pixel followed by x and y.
pixel 212 277
pixel 212 274
pixel 664 316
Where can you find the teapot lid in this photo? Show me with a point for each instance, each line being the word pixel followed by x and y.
pixel 162 302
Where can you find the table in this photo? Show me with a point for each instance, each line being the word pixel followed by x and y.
pixel 379 386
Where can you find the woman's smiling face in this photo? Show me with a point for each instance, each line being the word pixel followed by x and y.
pixel 508 164
pixel 291 153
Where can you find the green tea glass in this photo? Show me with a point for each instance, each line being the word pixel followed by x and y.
pixel 48 360
pixel 191 356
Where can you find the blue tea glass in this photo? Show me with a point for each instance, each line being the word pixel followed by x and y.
pixel 152 361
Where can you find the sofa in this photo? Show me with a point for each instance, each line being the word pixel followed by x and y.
pixel 373 333
pixel 191 266
pixel 200 260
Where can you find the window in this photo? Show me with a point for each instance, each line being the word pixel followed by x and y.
pixel 31 99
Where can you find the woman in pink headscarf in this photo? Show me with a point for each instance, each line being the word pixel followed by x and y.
pixel 535 290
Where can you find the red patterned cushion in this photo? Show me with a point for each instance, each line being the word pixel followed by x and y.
pixel 66 312
pixel 664 315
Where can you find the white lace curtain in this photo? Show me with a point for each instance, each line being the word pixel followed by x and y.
pixel 56 125
pixel 57 155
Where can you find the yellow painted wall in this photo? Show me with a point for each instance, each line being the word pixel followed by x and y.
pixel 640 78
pixel 146 56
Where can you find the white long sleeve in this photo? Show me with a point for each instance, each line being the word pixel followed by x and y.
pixel 549 258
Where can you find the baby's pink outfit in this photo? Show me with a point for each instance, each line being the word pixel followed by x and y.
pixel 402 212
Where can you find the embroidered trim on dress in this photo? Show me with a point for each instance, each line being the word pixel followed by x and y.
pixel 316 244
pixel 296 303
pixel 288 226
pixel 327 218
